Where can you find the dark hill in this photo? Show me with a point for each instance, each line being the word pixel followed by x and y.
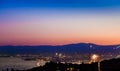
pixel 71 48
pixel 107 65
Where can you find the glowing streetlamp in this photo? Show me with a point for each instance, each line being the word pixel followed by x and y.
pixel 96 58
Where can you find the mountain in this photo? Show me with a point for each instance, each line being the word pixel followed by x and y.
pixel 70 48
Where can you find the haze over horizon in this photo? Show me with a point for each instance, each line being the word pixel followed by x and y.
pixel 51 22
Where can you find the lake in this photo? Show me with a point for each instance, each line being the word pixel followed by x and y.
pixel 16 63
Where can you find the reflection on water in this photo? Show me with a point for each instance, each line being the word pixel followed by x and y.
pixel 16 63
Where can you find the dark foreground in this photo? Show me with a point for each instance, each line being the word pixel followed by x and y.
pixel 107 65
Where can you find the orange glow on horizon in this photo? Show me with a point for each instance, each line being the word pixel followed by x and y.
pixel 59 42
pixel 59 28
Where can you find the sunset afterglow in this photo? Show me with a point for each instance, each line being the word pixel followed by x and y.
pixel 47 23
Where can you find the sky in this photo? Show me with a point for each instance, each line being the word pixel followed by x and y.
pixel 59 22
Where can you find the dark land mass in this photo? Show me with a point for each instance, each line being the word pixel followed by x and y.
pixel 107 65
pixel 70 48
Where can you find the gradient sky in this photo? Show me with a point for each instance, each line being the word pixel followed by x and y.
pixel 58 22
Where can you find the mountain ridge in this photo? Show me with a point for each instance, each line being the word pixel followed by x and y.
pixel 69 48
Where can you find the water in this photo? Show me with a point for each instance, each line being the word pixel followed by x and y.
pixel 16 63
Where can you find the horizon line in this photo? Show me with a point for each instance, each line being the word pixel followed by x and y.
pixel 66 44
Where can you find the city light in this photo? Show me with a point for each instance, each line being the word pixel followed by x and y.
pixel 96 58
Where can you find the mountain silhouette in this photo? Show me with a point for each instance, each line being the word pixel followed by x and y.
pixel 69 48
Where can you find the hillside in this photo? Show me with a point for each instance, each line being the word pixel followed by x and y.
pixel 70 48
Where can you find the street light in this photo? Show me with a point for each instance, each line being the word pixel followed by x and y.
pixel 96 58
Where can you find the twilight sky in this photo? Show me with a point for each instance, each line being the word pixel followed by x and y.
pixel 58 22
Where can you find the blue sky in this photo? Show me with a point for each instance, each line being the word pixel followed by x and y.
pixel 56 22
pixel 60 3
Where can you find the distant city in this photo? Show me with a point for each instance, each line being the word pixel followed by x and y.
pixel 71 53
